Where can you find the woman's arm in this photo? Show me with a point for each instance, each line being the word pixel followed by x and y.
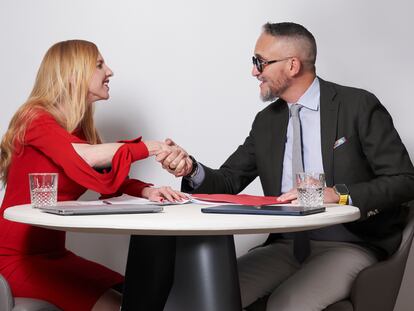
pixel 47 136
pixel 100 155
pixel 97 156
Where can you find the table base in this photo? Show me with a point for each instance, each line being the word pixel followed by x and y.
pixel 206 277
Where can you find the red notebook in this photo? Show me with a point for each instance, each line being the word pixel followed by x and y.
pixel 243 199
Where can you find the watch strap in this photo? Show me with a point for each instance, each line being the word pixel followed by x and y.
pixel 343 199
pixel 343 195
pixel 194 169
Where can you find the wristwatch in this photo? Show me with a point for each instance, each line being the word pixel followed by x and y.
pixel 194 169
pixel 343 192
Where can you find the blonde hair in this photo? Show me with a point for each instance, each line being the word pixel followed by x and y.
pixel 61 89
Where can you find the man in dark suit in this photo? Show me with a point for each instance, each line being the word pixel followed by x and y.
pixel 348 135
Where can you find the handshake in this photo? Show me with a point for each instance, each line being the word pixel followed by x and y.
pixel 172 157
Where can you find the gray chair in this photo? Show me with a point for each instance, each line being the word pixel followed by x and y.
pixel 10 303
pixel 376 287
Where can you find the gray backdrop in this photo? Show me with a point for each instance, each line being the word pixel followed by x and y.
pixel 182 70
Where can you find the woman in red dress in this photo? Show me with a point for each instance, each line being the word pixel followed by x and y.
pixel 54 132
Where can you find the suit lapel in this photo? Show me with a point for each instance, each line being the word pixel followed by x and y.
pixel 329 105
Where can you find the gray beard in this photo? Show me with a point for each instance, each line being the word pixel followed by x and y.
pixel 272 95
pixel 269 96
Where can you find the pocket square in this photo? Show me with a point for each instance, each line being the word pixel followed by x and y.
pixel 339 142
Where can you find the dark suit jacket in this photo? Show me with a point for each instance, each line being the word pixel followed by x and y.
pixel 373 162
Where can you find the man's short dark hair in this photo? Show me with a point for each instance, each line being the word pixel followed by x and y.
pixel 295 31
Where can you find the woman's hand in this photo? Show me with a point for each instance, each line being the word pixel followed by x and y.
pixel 163 193
pixel 155 147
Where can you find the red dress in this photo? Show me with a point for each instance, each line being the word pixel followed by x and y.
pixel 34 260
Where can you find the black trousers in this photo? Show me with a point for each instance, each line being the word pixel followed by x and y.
pixel 149 273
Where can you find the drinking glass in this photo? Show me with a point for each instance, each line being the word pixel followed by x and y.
pixel 43 189
pixel 310 188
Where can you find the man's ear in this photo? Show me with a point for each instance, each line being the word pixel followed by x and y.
pixel 295 66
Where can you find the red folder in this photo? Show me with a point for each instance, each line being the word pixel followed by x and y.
pixel 243 199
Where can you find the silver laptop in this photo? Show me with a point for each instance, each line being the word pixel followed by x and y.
pixel 67 210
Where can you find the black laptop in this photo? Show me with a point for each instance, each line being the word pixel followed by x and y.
pixel 293 210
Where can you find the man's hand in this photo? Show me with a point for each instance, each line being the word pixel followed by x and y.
pixel 291 195
pixel 176 161
pixel 329 196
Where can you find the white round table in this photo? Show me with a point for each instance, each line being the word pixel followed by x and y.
pixel 205 268
pixel 182 220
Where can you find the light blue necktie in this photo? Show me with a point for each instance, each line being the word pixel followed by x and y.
pixel 301 244
pixel 297 162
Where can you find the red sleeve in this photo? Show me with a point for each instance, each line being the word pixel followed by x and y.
pixel 134 187
pixel 130 186
pixel 45 134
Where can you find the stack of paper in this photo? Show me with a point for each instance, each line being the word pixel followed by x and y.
pixel 128 199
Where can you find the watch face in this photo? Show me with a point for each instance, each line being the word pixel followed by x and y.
pixel 342 189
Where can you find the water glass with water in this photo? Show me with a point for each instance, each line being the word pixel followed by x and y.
pixel 310 188
pixel 43 189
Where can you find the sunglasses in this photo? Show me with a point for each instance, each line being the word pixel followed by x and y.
pixel 260 64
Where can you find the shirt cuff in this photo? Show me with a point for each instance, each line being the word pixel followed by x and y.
pixel 137 148
pixel 198 178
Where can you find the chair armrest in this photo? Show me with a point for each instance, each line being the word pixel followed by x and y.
pixel 29 304
pixel 377 287
pixel 344 305
pixel 6 297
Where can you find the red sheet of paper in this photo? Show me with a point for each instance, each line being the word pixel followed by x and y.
pixel 244 199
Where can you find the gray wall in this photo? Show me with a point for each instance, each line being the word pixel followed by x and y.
pixel 182 70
